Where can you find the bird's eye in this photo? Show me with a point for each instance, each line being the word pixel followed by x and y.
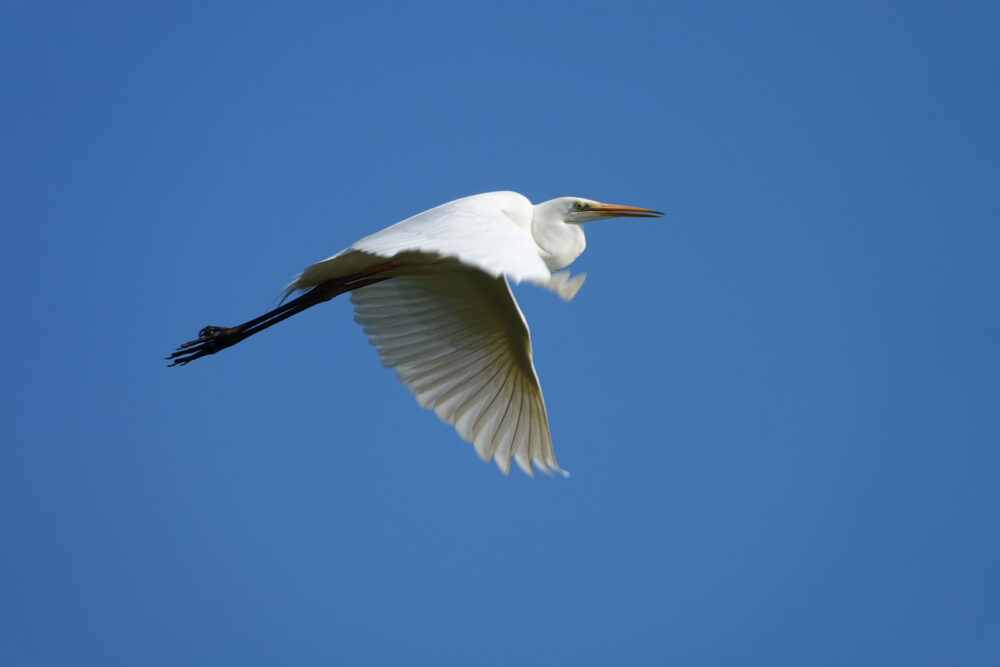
pixel 579 205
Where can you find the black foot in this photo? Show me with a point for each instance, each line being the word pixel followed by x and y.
pixel 210 340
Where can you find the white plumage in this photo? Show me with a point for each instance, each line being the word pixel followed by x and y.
pixel 490 232
pixel 431 293
pixel 459 342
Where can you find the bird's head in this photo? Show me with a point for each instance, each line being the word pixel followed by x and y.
pixel 577 210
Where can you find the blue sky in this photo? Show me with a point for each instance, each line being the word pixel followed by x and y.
pixel 779 403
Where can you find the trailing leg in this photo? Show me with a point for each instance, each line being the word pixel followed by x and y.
pixel 211 339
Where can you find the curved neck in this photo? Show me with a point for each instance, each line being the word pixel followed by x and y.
pixel 561 242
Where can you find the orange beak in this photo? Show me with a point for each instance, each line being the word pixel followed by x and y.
pixel 616 211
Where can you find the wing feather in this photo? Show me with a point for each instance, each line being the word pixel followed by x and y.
pixel 458 340
pixel 488 440
pixel 426 349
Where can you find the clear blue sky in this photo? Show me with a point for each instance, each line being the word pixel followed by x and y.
pixel 779 403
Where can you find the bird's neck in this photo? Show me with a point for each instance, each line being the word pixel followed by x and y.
pixel 561 242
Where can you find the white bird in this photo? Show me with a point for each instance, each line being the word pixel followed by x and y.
pixel 431 293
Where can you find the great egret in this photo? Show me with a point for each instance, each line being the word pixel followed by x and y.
pixel 431 293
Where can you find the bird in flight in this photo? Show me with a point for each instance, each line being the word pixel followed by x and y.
pixel 431 293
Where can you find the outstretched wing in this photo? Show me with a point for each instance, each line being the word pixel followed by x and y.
pixel 458 340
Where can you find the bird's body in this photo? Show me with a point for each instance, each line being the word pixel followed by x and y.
pixel 432 294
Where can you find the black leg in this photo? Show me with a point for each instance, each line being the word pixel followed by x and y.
pixel 211 339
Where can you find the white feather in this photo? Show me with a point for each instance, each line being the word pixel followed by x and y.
pixel 468 358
